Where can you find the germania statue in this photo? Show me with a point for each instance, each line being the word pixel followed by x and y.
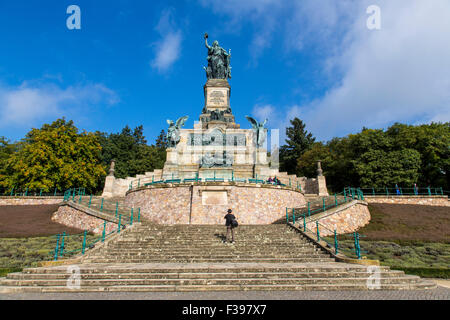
pixel 219 66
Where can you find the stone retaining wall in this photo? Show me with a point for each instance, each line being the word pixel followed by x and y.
pixel 346 218
pixel 421 200
pixel 208 204
pixel 27 201
pixel 72 217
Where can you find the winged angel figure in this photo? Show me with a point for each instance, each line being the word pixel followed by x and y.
pixel 261 132
pixel 173 133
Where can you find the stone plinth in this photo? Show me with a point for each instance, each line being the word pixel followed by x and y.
pixel 217 94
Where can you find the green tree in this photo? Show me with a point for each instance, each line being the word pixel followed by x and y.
pixel 132 153
pixel 298 141
pixel 162 142
pixel 6 150
pixel 378 168
pixel 432 141
pixel 336 156
pixel 55 156
pixel 307 162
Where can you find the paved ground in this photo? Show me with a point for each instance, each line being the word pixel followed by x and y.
pixel 440 293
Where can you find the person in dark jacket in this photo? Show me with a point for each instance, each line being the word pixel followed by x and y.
pixel 229 217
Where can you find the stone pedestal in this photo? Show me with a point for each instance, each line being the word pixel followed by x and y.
pixel 172 156
pixel 108 190
pixel 217 94
pixel 322 186
pixel 261 157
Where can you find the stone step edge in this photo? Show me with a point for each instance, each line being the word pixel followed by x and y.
pixel 191 288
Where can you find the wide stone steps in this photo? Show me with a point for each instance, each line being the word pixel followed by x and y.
pixel 237 252
pixel 200 275
pixel 259 254
pixel 330 286
pixel 149 257
pixel 168 260
pixel 235 268
pixel 205 282
pixel 207 258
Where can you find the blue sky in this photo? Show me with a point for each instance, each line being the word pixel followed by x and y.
pixel 140 62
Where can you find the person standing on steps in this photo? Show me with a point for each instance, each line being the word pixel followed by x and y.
pixel 230 223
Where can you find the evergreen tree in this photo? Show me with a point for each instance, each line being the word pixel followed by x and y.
pixel 297 143
pixel 132 153
pixel 161 141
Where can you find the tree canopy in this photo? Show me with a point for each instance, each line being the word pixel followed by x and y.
pixel 59 156
pixel 402 154
pixel 132 153
pixel 54 156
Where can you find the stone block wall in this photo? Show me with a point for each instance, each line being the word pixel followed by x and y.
pixel 420 200
pixel 208 204
pixel 72 217
pixel 29 201
pixel 346 218
pixel 169 205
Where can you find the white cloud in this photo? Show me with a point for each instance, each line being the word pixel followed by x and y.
pixel 262 112
pixel 29 103
pixel 167 50
pixel 399 73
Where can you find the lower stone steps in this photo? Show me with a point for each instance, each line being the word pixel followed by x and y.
pixel 210 260
pixel 209 281
pixel 197 288
pixel 193 258
pixel 223 275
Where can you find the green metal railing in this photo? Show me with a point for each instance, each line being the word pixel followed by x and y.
pixel 124 216
pixel 87 240
pixel 213 176
pixel 105 206
pixel 300 216
pixel 27 192
pixel 399 191
pixel 325 203
pixel 334 241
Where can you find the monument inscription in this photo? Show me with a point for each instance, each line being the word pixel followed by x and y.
pixel 217 98
pixel 210 198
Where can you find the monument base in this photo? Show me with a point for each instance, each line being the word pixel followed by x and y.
pixel 208 204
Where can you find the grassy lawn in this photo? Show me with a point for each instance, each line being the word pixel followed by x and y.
pixel 27 252
pixel 412 238
pixel 408 223
pixel 27 236
pixel 5 271
pixel 426 259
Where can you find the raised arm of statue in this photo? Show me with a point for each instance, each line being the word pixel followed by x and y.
pixel 206 41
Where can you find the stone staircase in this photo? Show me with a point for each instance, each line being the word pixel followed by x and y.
pixel 149 257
